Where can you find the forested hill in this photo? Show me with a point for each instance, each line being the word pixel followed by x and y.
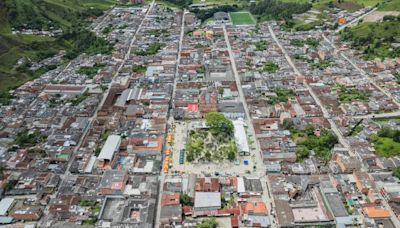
pixel 68 16
pixel 45 14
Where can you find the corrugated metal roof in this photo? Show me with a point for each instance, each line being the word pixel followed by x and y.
pixel 110 147
pixel 207 199
pixel 240 136
pixel 5 204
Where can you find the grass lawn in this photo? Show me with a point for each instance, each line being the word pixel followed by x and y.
pixel 242 18
pixel 393 5
pixel 386 147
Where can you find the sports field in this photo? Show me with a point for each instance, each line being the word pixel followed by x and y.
pixel 242 18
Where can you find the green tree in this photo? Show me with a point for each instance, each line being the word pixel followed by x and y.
pixel 218 123
pixel 208 223
pixel 302 152
pixel 309 129
pixel 185 199
pixel 396 172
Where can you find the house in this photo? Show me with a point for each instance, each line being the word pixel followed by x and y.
pixel 348 164
pixel 113 182
pixel 170 199
pixel 363 181
pixel 27 214
pixel 232 110
pixel 171 214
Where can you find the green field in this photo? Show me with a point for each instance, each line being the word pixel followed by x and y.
pixel 242 18
pixel 386 147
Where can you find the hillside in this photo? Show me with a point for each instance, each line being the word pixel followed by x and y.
pixel 44 15
pixel 375 40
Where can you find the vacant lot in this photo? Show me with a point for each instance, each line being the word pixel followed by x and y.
pixel 242 18
pixel 385 147
pixel 378 15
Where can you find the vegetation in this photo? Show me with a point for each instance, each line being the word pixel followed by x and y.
pixel 348 95
pixel 242 18
pixel 275 9
pixel 91 71
pixel 320 64
pixel 32 14
pixel 208 223
pixel 27 139
pixel 261 45
pixel 89 222
pixel 68 15
pixel 397 77
pixel 84 41
pixel 386 142
pixel 312 42
pixel 203 15
pixel 201 70
pixel 180 3
pixel 314 63
pixel 216 143
pixel 139 69
pixel 282 95
pixel 80 98
pixel 270 67
pixel 219 124
pixel 151 50
pixel 396 172
pixel 185 200
pixel 158 32
pixel 308 141
pixel 374 40
pixel 87 203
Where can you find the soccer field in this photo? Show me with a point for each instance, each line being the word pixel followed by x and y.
pixel 242 18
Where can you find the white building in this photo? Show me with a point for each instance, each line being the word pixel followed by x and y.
pixel 241 137
pixel 110 147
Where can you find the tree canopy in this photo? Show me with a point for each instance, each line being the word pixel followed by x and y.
pixel 274 9
pixel 218 123
pixel 208 223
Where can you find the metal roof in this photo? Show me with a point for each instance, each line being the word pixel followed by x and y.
pixel 240 135
pixel 5 204
pixel 207 199
pixel 110 147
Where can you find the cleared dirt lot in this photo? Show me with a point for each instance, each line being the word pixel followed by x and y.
pixel 378 15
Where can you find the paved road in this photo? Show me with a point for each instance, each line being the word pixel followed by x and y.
pixel 104 17
pixel 259 164
pixel 260 168
pixel 325 112
pixel 179 55
pixel 170 122
pixel 378 116
pixel 333 125
pixel 355 20
pixel 91 119
pixel 361 71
